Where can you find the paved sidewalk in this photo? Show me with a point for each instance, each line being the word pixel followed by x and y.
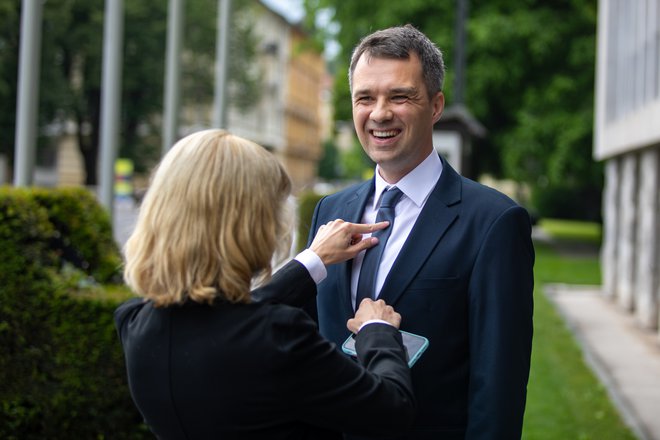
pixel 625 357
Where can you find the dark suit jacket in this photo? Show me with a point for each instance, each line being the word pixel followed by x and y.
pixel 464 280
pixel 260 370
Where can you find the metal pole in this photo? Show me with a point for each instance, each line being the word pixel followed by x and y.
pixel 28 92
pixel 221 70
pixel 110 98
pixel 172 74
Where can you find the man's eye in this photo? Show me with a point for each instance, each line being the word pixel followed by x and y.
pixel 363 99
pixel 399 98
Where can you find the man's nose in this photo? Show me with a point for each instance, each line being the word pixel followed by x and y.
pixel 381 111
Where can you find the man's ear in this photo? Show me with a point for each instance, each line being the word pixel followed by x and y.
pixel 438 105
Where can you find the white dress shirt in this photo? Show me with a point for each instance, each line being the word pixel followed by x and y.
pixel 416 187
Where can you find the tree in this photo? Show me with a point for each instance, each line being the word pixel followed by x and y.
pixel 72 54
pixel 9 48
pixel 530 80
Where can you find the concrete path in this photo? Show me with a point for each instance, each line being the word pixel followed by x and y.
pixel 625 357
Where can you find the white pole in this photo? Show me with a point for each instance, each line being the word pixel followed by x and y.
pixel 221 70
pixel 111 97
pixel 172 74
pixel 28 92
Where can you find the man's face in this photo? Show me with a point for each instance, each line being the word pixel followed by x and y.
pixel 393 114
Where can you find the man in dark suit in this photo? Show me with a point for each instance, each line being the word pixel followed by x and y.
pixel 458 265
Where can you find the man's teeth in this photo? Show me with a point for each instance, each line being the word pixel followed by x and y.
pixel 385 133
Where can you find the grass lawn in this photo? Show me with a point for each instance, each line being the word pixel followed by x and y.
pixel 565 400
pixel 588 232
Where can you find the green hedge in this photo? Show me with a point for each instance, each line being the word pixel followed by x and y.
pixel 568 202
pixel 62 372
pixel 306 203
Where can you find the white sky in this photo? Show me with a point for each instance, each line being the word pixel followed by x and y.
pixel 291 9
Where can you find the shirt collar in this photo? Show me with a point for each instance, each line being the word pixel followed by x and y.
pixel 417 184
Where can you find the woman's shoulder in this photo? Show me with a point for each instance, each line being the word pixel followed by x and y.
pixel 128 308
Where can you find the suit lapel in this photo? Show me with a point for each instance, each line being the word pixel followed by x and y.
pixel 353 210
pixel 441 210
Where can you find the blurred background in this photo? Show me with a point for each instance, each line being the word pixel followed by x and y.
pixel 554 102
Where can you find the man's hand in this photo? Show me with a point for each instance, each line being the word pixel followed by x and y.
pixel 338 241
pixel 370 309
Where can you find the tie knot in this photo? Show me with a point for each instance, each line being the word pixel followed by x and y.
pixel 390 198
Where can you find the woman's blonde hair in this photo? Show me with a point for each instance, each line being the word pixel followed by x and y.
pixel 212 219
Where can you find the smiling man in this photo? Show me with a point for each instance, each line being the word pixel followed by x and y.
pixel 458 263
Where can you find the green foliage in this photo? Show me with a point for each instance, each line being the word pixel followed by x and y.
pixel 62 367
pixel 84 232
pixel 306 203
pixel 530 80
pixel 351 164
pixel 9 48
pixel 329 166
pixel 24 236
pixel 567 201
pixel 355 163
pixel 71 71
pixel 80 233
pixel 62 373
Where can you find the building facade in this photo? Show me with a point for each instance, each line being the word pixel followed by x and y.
pixel 627 139
pixel 286 118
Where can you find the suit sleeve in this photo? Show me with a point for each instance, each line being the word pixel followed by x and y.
pixel 500 328
pixel 328 389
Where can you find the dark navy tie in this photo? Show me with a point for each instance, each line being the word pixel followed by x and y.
pixel 367 281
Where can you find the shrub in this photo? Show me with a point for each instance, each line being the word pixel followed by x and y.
pixel 62 372
pixel 83 235
pixel 306 203
pixel 567 202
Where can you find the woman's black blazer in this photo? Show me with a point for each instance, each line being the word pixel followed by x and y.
pixel 260 370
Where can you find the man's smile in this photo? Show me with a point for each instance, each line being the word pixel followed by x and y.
pixel 385 134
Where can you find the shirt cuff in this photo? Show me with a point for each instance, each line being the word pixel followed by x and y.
pixel 313 264
pixel 373 321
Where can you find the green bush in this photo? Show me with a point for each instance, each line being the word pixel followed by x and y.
pixel 306 203
pixel 62 372
pixel 83 235
pixel 568 202
pixel 25 233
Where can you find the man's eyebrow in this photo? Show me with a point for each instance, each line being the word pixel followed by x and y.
pixel 394 91
pixel 361 92
pixel 404 91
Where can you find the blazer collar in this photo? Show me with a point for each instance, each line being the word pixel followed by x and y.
pixel 439 214
pixel 352 212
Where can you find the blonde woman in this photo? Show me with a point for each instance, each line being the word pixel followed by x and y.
pixel 208 358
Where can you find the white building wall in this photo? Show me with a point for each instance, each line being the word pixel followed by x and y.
pixel 648 263
pixel 627 138
pixel 609 250
pixel 626 237
pixel 264 123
